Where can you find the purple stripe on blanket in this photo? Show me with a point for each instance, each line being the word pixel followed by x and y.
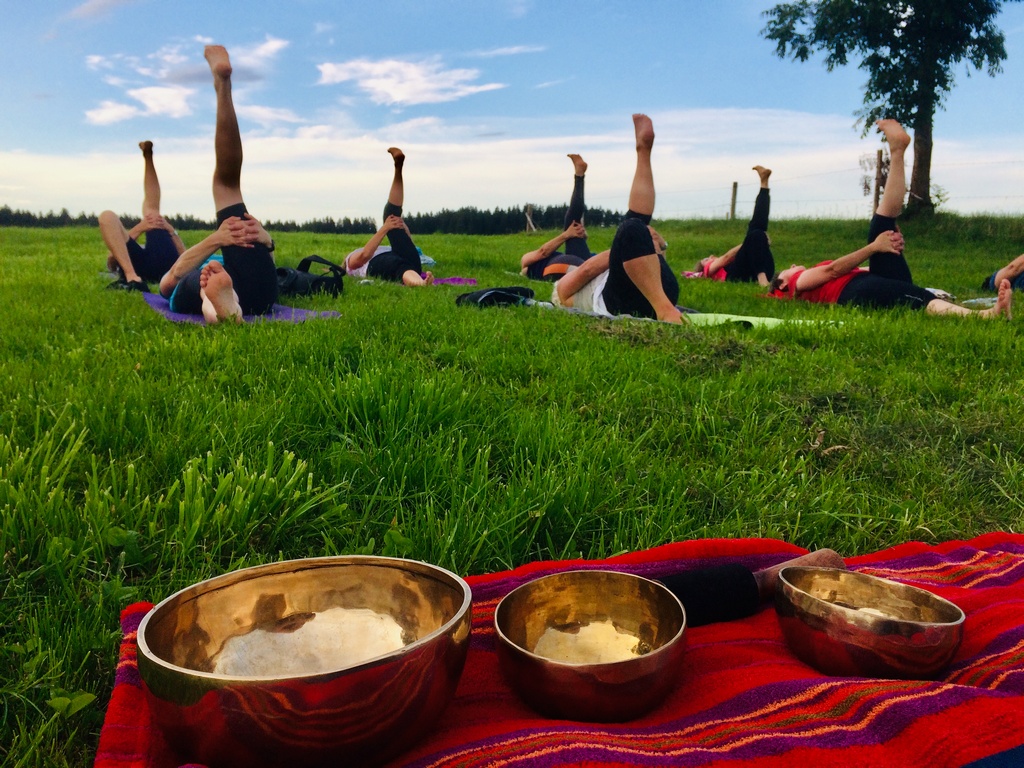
pixel 279 312
pixel 454 280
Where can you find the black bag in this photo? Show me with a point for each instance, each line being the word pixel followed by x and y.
pixel 301 282
pixel 492 297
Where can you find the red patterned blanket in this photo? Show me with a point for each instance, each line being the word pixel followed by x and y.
pixel 744 698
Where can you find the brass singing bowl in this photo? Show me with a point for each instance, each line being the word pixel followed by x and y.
pixel 339 660
pixel 598 646
pixel 846 623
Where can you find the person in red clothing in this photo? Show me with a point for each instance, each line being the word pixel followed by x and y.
pixel 751 261
pixel 887 281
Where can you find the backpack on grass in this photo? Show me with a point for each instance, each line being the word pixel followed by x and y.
pixel 494 297
pixel 301 282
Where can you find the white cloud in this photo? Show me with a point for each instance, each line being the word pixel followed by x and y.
pixel 267 115
pixel 512 50
pixel 257 57
pixel 398 82
pixel 93 8
pixel 109 112
pixel 165 100
pixel 341 168
pixel 97 62
pixel 519 8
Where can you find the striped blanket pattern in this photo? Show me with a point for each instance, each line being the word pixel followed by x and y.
pixel 743 699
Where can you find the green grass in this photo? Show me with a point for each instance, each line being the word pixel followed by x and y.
pixel 138 456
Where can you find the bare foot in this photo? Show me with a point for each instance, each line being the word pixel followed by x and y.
pixel 1004 302
pixel 220 302
pixel 894 134
pixel 578 164
pixel 644 131
pixel 217 58
pixel 763 173
pixel 146 147
pixel 673 316
pixel 768 579
pixel 429 279
pixel 399 156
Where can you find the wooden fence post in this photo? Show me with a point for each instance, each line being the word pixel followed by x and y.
pixel 732 207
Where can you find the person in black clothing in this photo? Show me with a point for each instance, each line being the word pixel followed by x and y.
pixel 134 263
pixel 401 262
pixel 245 280
pixel 751 261
pixel 632 278
pixel 547 262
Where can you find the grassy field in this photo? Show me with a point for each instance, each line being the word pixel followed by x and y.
pixel 138 456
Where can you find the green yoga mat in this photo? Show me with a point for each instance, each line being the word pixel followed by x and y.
pixel 714 318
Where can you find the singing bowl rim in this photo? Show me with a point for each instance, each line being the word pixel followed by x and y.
pixel 300 564
pixel 665 648
pixel 786 586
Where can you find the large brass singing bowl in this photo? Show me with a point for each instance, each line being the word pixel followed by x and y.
pixel 336 660
pixel 846 623
pixel 597 646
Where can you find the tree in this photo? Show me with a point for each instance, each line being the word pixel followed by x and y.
pixel 909 49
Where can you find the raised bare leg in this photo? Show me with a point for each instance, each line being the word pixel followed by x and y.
pixel 115 237
pixel 645 272
pixel 891 204
pixel 641 193
pixel 150 182
pixel 220 302
pixel 227 143
pixel 579 166
pixel 396 196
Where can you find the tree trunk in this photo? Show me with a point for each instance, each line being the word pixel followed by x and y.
pixel 921 178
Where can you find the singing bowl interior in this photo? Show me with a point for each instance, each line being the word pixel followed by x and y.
pixel 302 617
pixel 591 645
pixel 849 623
pixel 337 658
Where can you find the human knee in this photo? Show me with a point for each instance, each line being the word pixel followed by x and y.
pixel 632 240
pixel 757 236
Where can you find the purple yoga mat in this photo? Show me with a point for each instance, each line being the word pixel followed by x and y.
pixel 454 281
pixel 278 313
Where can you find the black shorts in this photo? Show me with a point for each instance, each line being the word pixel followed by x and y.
pixel 554 267
pixel 621 296
pixel 252 270
pixel 867 290
pixel 391 266
pixel 159 255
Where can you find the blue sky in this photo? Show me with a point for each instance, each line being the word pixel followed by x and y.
pixel 485 97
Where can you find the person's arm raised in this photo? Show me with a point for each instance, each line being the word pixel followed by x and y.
pixel 815 277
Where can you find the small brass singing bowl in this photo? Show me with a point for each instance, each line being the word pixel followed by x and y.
pixel 852 624
pixel 596 646
pixel 344 661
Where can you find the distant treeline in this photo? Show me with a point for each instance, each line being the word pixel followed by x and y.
pixel 462 221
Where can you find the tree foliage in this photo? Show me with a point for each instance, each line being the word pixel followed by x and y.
pixel 465 221
pixel 909 48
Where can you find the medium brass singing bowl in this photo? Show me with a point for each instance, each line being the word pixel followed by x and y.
pixel 337 660
pixel 846 623
pixel 597 646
